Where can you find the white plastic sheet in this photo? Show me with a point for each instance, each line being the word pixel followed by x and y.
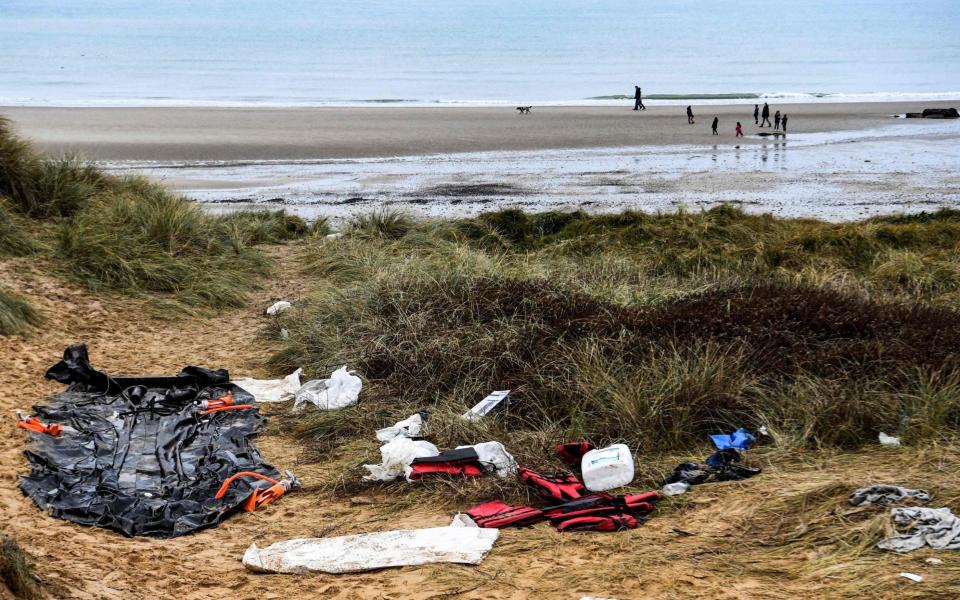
pixel 495 456
pixel 341 390
pixel 396 456
pixel 411 427
pixel 271 390
pixel 355 553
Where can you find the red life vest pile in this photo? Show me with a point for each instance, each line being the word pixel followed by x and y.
pixel 574 508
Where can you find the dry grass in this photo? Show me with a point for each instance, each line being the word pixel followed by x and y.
pixel 16 571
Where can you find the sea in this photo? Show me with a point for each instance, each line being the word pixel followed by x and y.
pixel 485 52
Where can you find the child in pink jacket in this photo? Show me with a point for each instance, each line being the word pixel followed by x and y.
pixel 739 130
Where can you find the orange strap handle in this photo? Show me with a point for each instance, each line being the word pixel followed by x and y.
pixel 232 478
pixel 226 407
pixel 35 424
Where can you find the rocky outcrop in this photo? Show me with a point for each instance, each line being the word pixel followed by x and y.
pixel 935 113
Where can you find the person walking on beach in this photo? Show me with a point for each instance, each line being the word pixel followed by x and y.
pixel 756 114
pixel 690 115
pixel 739 130
pixel 716 123
pixel 783 122
pixel 776 121
pixel 765 115
pixel 638 99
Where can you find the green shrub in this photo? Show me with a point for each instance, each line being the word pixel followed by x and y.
pixel 16 314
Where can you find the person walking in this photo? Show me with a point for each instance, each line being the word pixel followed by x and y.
pixel 756 114
pixel 765 115
pixel 739 130
pixel 716 123
pixel 776 121
pixel 638 99
pixel 690 115
pixel 783 122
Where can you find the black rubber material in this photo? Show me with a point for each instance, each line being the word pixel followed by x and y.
pixel 143 461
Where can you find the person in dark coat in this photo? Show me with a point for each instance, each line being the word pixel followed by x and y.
pixel 756 114
pixel 690 115
pixel 765 115
pixel 783 122
pixel 716 123
pixel 776 121
pixel 638 99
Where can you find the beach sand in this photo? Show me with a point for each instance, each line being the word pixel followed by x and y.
pixel 231 134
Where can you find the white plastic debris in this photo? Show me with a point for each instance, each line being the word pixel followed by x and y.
pixel 356 553
pixel 341 390
pixel 763 430
pixel 278 307
pixel 912 576
pixel 396 456
pixel 889 441
pixel 284 334
pixel 271 390
pixel 336 235
pixel 933 561
pixel 676 488
pixel 411 427
pixel 495 455
pixel 462 520
pixel 492 403
pixel 607 468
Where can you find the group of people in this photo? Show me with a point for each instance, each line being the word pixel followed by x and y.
pixel 760 116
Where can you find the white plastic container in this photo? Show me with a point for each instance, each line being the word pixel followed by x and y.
pixel 607 468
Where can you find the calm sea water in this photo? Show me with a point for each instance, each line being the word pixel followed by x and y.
pixel 106 52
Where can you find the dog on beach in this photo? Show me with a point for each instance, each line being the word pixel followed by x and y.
pixel 524 110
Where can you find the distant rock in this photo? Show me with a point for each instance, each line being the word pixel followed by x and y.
pixel 935 113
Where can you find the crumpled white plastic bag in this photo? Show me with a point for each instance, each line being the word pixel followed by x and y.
pixel 341 390
pixel 495 455
pixel 396 456
pixel 411 427
pixel 278 307
pixel 271 390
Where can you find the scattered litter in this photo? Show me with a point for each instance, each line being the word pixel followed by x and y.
pixel 739 439
pixel 492 403
pixel 462 520
pixel 396 457
pixel 886 494
pixel 911 576
pixel 341 390
pixel 889 441
pixel 493 455
pixel 284 333
pixel 763 431
pixel 676 488
pixel 411 427
pixel 607 468
pixel 461 462
pixel 933 561
pixel 938 528
pixel 334 236
pixel 173 463
pixel 278 307
pixel 272 390
pixel 722 465
pixel 366 552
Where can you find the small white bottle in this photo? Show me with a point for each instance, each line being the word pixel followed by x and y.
pixel 607 468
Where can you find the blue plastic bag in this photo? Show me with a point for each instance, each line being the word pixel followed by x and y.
pixel 739 439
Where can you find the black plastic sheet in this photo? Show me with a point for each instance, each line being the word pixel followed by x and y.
pixel 137 457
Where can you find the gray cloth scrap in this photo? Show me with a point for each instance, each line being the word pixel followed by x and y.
pixel 885 494
pixel 938 528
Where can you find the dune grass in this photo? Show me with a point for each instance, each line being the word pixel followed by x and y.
pixel 16 314
pixel 132 235
pixel 16 571
pixel 653 330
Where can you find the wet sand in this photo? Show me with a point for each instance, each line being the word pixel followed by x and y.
pixel 232 134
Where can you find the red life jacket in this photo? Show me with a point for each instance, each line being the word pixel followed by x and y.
pixel 571 452
pixel 462 462
pixel 556 487
pixel 614 522
pixel 497 515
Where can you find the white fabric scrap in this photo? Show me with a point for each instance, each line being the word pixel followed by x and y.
pixel 341 390
pixel 278 307
pixel 396 456
pixel 494 455
pixel 886 494
pixel 888 440
pixel 411 427
pixel 355 553
pixel 938 528
pixel 463 520
pixel 271 390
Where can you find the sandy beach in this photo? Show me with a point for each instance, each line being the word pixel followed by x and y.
pixel 231 134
